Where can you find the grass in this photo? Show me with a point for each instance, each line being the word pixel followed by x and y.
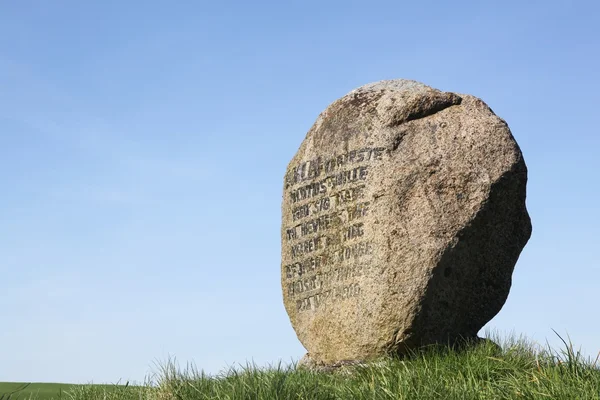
pixel 517 370
pixel 47 391
pixel 17 390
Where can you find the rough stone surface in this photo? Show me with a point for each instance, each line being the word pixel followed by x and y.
pixel 403 217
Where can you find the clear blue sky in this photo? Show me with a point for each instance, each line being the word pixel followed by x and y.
pixel 143 146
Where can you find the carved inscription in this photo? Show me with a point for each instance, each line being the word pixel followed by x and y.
pixel 327 230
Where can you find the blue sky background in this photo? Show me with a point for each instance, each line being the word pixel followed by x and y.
pixel 143 146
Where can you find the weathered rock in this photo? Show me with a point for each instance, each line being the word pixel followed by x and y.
pixel 403 217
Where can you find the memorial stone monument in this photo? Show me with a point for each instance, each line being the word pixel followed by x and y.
pixel 403 216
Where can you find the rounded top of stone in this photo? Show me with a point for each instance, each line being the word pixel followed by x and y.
pixel 397 85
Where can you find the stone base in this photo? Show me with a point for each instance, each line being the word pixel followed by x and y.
pixel 308 363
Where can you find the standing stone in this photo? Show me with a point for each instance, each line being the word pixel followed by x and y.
pixel 403 217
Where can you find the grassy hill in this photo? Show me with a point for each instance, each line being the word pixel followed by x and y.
pixel 518 370
pixel 20 390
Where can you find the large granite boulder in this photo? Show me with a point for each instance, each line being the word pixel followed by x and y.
pixel 403 217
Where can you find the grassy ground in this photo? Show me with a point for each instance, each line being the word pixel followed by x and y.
pixel 17 390
pixel 49 391
pixel 517 371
